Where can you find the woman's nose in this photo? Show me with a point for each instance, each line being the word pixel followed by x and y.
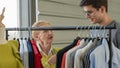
pixel 50 32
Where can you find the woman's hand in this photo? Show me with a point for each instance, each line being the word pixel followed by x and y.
pixel 2 15
pixel 52 60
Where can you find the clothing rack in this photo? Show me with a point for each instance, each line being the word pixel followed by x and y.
pixel 68 28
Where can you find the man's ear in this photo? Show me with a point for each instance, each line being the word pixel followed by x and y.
pixel 103 9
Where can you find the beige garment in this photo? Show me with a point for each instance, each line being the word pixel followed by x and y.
pixel 69 52
pixel 2 29
pixel 2 35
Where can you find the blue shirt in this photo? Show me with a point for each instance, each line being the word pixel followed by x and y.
pixel 100 56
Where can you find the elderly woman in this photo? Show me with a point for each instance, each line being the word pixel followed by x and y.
pixel 44 39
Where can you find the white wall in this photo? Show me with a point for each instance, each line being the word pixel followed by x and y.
pixel 10 19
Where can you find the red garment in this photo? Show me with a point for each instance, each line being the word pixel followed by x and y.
pixel 63 60
pixel 64 56
pixel 37 56
pixel 78 42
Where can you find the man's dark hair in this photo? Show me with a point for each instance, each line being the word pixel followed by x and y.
pixel 95 3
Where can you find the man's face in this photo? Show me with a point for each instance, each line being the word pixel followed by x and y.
pixel 92 14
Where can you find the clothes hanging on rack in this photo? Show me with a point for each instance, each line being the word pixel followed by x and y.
pixel 26 61
pixel 37 55
pixel 61 52
pixel 73 53
pixel 102 56
pixel 31 55
pixel 67 28
pixel 94 54
pixel 69 52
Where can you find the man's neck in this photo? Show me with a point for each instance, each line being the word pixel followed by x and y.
pixel 106 21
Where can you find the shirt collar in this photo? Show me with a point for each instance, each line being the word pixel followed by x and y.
pixel 40 50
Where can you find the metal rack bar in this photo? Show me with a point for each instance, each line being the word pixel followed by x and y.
pixel 68 28
pixel 59 28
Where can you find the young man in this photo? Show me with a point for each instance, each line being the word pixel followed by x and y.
pixel 96 12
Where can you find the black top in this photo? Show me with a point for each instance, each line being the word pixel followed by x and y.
pixel 62 51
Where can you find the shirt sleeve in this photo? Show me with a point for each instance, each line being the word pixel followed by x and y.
pixel 117 38
pixel 14 45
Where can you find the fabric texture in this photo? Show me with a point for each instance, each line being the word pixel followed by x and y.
pixel 45 58
pixel 31 54
pixel 37 55
pixel 62 51
pixel 10 49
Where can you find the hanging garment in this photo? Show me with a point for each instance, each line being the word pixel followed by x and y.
pixel 79 53
pixel 64 56
pixel 100 56
pixel 63 60
pixel 31 54
pixel 10 49
pixel 21 49
pixel 69 52
pixel 37 55
pixel 85 56
pixel 62 51
pixel 25 55
pixel 74 52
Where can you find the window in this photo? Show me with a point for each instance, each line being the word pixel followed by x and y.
pixel 10 19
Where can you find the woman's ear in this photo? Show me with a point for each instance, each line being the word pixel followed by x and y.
pixel 35 35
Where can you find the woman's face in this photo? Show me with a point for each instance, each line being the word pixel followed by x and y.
pixel 45 36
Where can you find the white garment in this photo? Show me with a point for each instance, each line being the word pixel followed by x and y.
pixel 79 53
pixel 21 50
pixel 26 55
pixel 40 50
pixel 67 61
